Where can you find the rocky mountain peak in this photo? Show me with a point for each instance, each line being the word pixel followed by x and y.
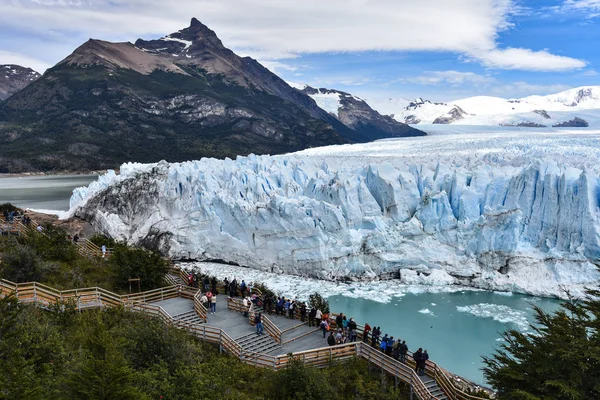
pixel 14 78
pixel 189 42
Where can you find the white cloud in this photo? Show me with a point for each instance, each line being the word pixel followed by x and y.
pixel 592 6
pixel 280 29
pixel 453 78
pixel 7 57
pixel 276 66
pixel 525 59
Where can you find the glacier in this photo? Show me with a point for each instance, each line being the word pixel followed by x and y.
pixel 507 210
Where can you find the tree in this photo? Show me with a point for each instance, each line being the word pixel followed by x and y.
pixel 559 360
pixel 317 301
pixel 126 263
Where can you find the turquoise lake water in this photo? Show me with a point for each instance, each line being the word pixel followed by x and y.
pixel 454 339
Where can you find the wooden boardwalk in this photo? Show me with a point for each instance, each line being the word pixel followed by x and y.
pixel 299 336
pixel 180 307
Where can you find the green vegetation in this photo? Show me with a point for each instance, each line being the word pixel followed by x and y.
pixel 114 354
pixel 317 301
pixel 51 258
pixel 560 360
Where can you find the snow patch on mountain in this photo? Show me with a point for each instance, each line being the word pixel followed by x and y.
pixel 498 210
pixel 582 102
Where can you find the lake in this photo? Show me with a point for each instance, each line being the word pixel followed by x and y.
pixel 45 192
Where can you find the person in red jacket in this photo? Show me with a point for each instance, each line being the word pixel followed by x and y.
pixel 366 331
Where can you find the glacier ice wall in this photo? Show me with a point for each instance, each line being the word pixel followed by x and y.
pixel 518 223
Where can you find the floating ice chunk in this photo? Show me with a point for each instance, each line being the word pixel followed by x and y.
pixel 498 312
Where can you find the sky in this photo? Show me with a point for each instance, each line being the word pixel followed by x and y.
pixel 385 51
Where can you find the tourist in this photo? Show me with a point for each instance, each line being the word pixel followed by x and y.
pixel 352 334
pixel 279 305
pixel 232 288
pixel 213 283
pixel 204 301
pixel 311 317
pixel 331 339
pixel 318 316
pixel 324 327
pixel 396 350
pixel 246 306
pixel 190 279
pixel 423 363
pixel 243 288
pixel 39 228
pixel 206 283
pixel 375 336
pixel 103 250
pixel 383 344
pixel 213 303
pixel 225 285
pixel 195 280
pixel 302 311
pixel 345 324
pixel 286 307
pixel 259 325
pixel 339 337
pixel 352 324
pixel 366 331
pixel 403 351
pixel 338 320
pixel 390 346
pixel 417 357
pixel 292 309
pixel 75 238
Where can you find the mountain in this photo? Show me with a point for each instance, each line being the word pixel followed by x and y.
pixel 180 97
pixel 356 114
pixel 578 107
pixel 14 78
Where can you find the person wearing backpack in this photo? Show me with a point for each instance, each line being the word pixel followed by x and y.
pixel 259 324
pixel 331 339
pixel 403 351
pixel 324 327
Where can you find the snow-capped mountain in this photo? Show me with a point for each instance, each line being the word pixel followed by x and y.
pixel 14 78
pixel 355 113
pixel 502 211
pixel 571 108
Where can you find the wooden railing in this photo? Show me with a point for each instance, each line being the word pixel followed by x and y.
pixel 95 297
pixel 271 329
pixel 90 249
pixel 200 309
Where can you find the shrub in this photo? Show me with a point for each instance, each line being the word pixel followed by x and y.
pixel 317 301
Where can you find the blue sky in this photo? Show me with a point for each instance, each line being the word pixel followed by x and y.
pixel 378 49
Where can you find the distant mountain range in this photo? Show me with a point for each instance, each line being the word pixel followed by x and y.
pixel 355 113
pixel 578 107
pixel 14 78
pixel 184 96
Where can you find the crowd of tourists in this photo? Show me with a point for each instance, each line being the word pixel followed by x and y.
pixel 337 329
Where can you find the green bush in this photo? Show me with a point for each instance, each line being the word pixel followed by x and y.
pixel 126 263
pixel 317 301
pixel 23 264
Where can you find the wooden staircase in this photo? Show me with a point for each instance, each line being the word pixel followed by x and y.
pixel 258 344
pixel 433 387
pixel 189 317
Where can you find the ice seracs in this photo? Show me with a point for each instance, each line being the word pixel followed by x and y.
pixel 503 211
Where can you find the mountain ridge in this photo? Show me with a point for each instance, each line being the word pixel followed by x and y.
pixel 14 78
pixel 181 97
